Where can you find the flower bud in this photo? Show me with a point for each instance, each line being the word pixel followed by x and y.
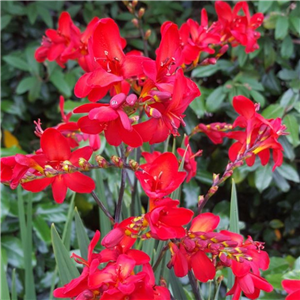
pixel 134 3
pixel 141 12
pixel 101 161
pixel 84 164
pixel 68 167
pixel 134 165
pixel 117 161
pixel 131 99
pixel 135 22
pixel 117 100
pixel 147 34
pixel 153 112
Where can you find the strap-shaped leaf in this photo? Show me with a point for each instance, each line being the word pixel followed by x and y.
pixel 82 237
pixel 66 268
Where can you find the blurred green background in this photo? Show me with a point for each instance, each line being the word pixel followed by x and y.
pixel 269 203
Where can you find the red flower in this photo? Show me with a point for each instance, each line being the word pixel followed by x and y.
pixel 238 29
pixel 251 285
pixel 111 119
pixel 72 131
pixel 80 285
pixel 260 136
pixel 292 287
pixel 197 38
pixel 168 115
pixel 214 131
pixel 160 177
pixel 190 255
pixel 190 165
pixel 60 44
pixel 113 65
pixel 166 219
pixel 57 154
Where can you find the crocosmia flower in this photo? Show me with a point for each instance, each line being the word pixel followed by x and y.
pixel 57 168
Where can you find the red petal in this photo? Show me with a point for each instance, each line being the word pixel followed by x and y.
pixel 106 37
pixel 55 145
pixel 291 285
pixel 205 222
pixel 103 114
pixel 87 125
pixel 102 78
pixel 203 268
pixel 234 151
pixel 244 106
pixel 79 183
pixel 37 185
pixel 82 89
pixel 84 152
pixel 59 189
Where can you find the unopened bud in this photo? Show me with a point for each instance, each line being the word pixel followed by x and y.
pixel 212 190
pixel 49 171
pixel 134 3
pixel 101 161
pixel 153 112
pixel 223 50
pixel 220 278
pixel 200 200
pixel 147 34
pixel 135 22
pixel 117 100
pixel 84 164
pixel 141 12
pixel 212 61
pixel 67 166
pixel 215 178
pixel 117 161
pixel 131 99
pixel 134 165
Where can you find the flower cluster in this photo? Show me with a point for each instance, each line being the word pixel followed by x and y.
pixel 148 98
pixel 115 279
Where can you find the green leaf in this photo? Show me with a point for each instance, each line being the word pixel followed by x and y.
pixel 66 268
pixel 74 9
pixel 288 172
pixel 269 53
pixel 263 177
pixel 276 223
pixel 233 225
pixel 258 97
pixel 5 20
pixel 35 89
pixel 4 291
pixel 281 28
pixel 281 182
pixel 215 99
pixel 45 15
pixel 263 6
pixel 16 62
pixel 57 78
pixel 34 66
pixel 14 295
pixel 205 71
pixel 287 47
pixel 105 225
pixel 293 128
pixel 242 56
pixel 29 280
pixel 287 74
pixel 176 285
pixel 82 237
pixel 32 12
pixel 294 21
pixel 15 254
pixel 42 229
pixel 275 280
pixel 25 85
pixel 273 111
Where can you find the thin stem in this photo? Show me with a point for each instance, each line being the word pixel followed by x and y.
pixel 101 205
pixel 194 285
pixel 227 173
pixel 122 187
pixel 161 255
